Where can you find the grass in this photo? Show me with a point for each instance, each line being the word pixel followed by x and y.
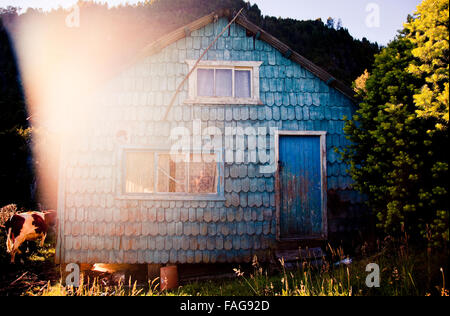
pixel 403 273
pixel 31 276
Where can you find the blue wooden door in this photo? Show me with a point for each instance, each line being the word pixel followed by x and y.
pixel 300 187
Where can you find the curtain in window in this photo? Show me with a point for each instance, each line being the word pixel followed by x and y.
pixel 205 82
pixel 242 84
pixel 139 172
pixel 171 174
pixel 224 83
pixel 203 175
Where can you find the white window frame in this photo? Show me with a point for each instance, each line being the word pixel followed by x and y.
pixel 163 196
pixel 253 66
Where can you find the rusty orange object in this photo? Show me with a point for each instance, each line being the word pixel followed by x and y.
pixel 169 278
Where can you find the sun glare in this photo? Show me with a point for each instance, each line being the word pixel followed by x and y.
pixel 63 65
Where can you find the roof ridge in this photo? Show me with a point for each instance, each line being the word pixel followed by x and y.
pixel 184 31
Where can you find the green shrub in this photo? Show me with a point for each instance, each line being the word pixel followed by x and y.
pixel 397 159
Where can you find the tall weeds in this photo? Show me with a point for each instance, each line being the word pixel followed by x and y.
pixel 403 272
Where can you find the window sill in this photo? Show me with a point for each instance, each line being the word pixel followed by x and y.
pixel 223 101
pixel 174 197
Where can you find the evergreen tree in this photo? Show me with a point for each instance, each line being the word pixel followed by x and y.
pixel 330 23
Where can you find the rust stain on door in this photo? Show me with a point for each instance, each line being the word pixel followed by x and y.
pixel 300 187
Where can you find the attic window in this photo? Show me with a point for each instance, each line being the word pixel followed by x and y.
pixel 159 174
pixel 224 82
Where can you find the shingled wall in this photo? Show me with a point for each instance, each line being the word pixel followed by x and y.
pixel 98 227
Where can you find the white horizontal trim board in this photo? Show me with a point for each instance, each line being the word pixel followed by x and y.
pixel 225 63
pixel 300 133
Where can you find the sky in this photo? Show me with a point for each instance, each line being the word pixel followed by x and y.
pixel 377 20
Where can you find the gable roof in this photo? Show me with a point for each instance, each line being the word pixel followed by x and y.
pixel 182 32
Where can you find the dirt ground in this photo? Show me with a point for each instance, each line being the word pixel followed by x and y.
pixel 31 273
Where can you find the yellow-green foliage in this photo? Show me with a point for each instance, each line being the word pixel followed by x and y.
pixel 395 157
pixel 428 31
pixel 359 86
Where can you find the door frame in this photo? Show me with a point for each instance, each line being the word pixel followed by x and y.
pixel 323 158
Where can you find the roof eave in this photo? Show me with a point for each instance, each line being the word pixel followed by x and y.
pixel 182 32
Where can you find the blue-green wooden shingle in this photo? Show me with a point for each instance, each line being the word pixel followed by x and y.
pixel 193 231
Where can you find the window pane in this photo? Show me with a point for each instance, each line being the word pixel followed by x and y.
pixel 139 173
pixel 242 84
pixel 205 82
pixel 171 174
pixel 203 176
pixel 224 83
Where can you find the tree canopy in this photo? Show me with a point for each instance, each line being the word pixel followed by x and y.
pixel 394 158
pixel 428 31
pixel 334 49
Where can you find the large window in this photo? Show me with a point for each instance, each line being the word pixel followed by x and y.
pixel 214 82
pixel 158 173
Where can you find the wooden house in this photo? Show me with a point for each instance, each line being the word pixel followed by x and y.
pixel 275 176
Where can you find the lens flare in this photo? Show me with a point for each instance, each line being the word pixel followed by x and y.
pixel 64 60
